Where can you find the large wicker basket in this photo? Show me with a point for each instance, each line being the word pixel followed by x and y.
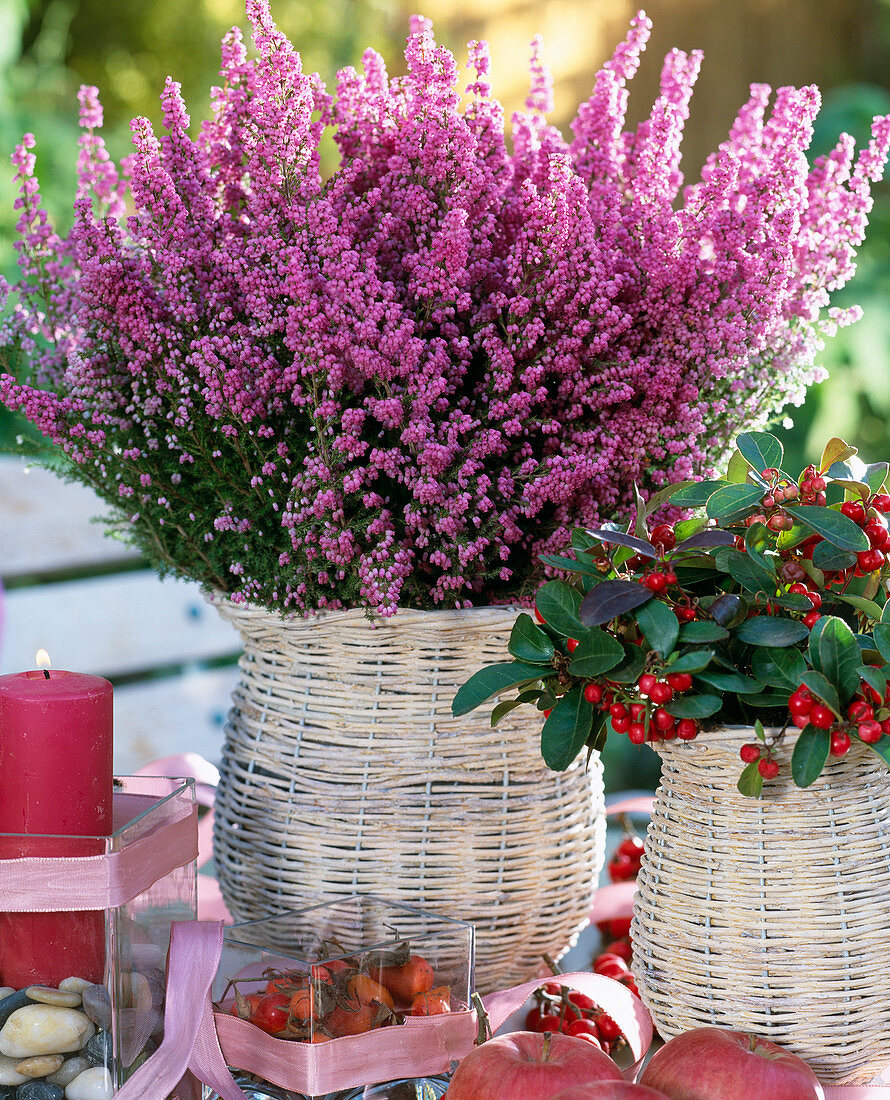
pixel 770 915
pixel 344 772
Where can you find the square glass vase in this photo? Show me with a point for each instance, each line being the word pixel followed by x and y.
pixel 83 990
pixel 330 977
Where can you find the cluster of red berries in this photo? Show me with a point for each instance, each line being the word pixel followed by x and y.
pixel 624 863
pixel 558 1008
pixel 641 714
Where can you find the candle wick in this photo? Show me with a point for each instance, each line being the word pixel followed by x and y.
pixel 46 674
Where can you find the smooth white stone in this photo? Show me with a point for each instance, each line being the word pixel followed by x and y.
pixel 5 990
pixel 71 1067
pixel 46 995
pixel 40 1066
pixel 44 1029
pixel 78 985
pixel 92 1084
pixel 9 1075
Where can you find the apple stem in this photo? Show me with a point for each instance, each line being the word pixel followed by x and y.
pixel 545 1051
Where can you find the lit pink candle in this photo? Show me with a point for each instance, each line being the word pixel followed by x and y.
pixel 55 779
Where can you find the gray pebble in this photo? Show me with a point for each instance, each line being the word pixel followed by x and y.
pixel 98 1051
pixel 9 1004
pixel 97 1005
pixel 7 1092
pixel 39 1090
pixel 44 995
pixel 71 1068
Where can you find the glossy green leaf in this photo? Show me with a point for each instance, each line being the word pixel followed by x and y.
pixel 809 756
pixel 881 748
pixel 837 528
pixel 566 729
pixel 687 527
pixel 766 699
pixel 493 680
pixel 768 631
pixel 730 681
pixel 792 537
pixel 822 687
pixel 839 657
pixel 693 661
pixel 876 678
pixel 761 450
pixel 885 614
pixel 828 557
pixel 696 494
pixel 668 493
pixel 659 626
pixel 558 604
pixel 881 635
pixel 867 607
pixel 628 671
pixel 582 541
pixel 529 643
pixel 794 601
pixel 694 706
pixel 703 631
pixel 597 652
pixel 750 573
pixel 733 501
pixel 750 781
pixel 502 709
pixel 782 668
pixel 876 475
pixel 835 450
pixel 571 565
pixel 611 598
pixel 737 469
pixel 706 539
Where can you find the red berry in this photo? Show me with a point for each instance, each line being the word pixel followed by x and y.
pixel 637 710
pixel 800 720
pixel 662 720
pixel 655 582
pixel 859 711
pixel 610 966
pixel 750 752
pixel 646 683
pixel 679 681
pixel 539 616
pixel 768 768
pixel 572 644
pixel 671 577
pixel 811 618
pixel 608 1029
pixel 636 733
pixel 882 502
pixel 870 731
pixel 853 510
pixel 663 536
pixel 580 1000
pixel 621 948
pixel 877 535
pixel 618 710
pixel 620 725
pixel 547 712
pixel 800 701
pixel 840 742
pixel 631 845
pixel 584 1029
pixel 593 693
pixel 687 729
pixel 870 560
pixel 821 717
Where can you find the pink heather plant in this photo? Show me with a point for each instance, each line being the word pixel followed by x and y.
pixel 402 384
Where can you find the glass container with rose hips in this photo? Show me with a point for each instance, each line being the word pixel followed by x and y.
pixel 339 969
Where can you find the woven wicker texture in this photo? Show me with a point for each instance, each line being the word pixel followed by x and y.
pixel 770 915
pixel 344 772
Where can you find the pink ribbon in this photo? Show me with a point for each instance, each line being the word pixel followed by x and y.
pixel 857 1092
pixel 52 884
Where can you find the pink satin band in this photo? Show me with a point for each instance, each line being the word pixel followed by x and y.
pixel 52 884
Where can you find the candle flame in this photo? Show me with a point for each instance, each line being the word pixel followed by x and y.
pixel 41 659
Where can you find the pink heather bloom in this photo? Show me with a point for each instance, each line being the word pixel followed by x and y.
pixel 402 384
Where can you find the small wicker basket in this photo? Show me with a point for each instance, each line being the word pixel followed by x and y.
pixel 770 915
pixel 344 772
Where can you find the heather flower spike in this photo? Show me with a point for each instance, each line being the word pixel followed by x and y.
pixel 402 384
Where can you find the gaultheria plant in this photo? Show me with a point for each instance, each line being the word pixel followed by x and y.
pixel 402 384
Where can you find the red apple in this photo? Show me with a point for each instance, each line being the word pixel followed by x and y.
pixel 611 1090
pixel 713 1063
pixel 527 1065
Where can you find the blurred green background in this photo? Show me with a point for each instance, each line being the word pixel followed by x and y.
pixel 49 47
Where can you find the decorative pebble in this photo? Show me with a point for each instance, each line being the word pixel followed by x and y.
pixel 76 984
pixel 9 1075
pixel 40 1066
pixel 44 1029
pixel 97 1005
pixel 98 1051
pixel 92 1084
pixel 63 998
pixel 7 1092
pixel 39 1090
pixel 9 1004
pixel 71 1067
pixel 5 990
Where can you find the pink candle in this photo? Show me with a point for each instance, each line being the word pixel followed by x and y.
pixel 55 780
